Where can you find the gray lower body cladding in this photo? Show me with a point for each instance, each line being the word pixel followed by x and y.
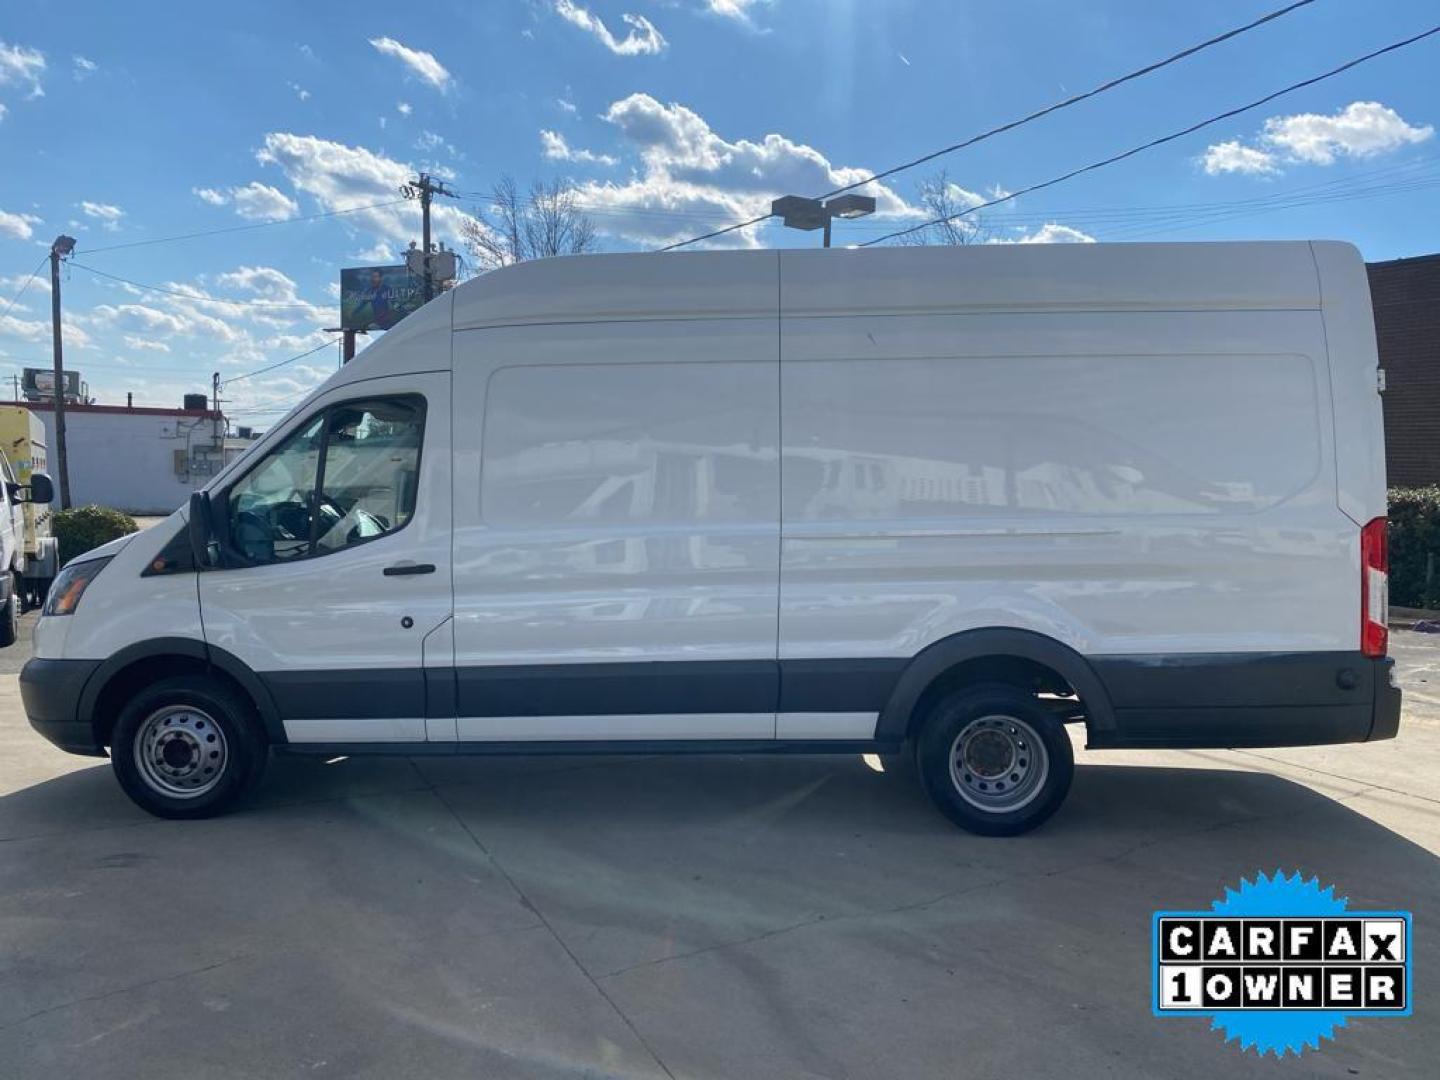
pixel 1191 700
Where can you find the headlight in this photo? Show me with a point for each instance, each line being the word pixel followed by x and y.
pixel 70 584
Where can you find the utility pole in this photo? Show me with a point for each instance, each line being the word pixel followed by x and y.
pixel 424 188
pixel 347 342
pixel 215 407
pixel 60 249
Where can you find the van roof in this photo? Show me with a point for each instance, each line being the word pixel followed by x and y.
pixel 1250 276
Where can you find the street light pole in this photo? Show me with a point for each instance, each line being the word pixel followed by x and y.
pixel 61 248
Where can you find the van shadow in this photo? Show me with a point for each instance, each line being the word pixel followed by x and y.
pixel 1210 824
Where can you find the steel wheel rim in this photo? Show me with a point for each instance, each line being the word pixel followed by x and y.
pixel 181 752
pixel 999 763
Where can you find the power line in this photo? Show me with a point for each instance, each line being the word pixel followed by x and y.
pixel 1076 99
pixel 1419 174
pixel 197 297
pixel 243 228
pixel 1162 139
pixel 1038 114
pixel 33 275
pixel 271 367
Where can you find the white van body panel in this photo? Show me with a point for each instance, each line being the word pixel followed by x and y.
pixel 617 499
pixel 1060 473
pixel 120 607
pixel 1355 364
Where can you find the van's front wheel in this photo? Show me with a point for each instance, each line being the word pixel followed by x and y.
pixel 187 747
pixel 994 760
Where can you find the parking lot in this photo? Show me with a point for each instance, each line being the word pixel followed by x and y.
pixel 704 916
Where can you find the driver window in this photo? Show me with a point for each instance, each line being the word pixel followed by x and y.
pixel 348 476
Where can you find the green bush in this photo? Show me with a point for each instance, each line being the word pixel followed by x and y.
pixel 1415 547
pixel 87 527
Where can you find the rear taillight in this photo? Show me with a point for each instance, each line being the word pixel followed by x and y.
pixel 1374 589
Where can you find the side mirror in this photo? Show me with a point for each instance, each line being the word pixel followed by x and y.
pixel 200 528
pixel 40 489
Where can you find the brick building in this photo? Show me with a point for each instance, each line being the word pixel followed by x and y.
pixel 1406 295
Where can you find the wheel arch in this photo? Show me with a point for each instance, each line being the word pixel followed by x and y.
pixel 981 655
pixel 132 667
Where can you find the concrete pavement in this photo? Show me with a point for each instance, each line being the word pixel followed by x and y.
pixel 697 917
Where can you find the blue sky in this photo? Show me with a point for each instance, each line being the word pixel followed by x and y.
pixel 135 122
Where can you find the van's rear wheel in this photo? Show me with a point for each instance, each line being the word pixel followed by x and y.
pixel 994 760
pixel 187 747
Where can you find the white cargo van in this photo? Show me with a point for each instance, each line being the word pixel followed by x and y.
pixel 834 501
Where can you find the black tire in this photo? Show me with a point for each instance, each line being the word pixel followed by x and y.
pixel 10 616
pixel 1021 790
pixel 213 727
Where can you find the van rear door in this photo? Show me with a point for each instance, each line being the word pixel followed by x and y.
pixel 337 585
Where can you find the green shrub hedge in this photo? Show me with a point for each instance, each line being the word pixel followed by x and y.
pixel 1415 547
pixel 87 527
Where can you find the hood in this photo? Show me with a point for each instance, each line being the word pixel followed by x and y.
pixel 104 551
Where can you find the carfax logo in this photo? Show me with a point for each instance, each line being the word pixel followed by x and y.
pixel 1280 964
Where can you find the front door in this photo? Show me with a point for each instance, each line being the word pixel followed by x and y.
pixel 335 588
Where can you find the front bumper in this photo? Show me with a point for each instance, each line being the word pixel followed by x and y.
pixel 51 690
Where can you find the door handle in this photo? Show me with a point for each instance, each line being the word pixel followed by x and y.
pixel 405 569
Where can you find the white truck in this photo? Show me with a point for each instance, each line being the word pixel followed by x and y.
pixel 824 501
pixel 36 559
pixel 28 558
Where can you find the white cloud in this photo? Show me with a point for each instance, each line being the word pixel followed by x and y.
pixel 3 110
pixel 22 66
pixel 341 177
pixel 17 226
pixel 1049 233
pixel 1362 129
pixel 555 148
pixel 738 10
pixel 566 105
pixel 268 313
pixel 83 67
pixel 261 202
pixel 404 108
pixel 430 141
pixel 37 331
pixel 141 344
pixel 104 212
pixel 211 196
pixel 378 254
pixel 693 180
pixel 421 64
pixel 1235 157
pixel 11 285
pixel 300 91
pixel 642 40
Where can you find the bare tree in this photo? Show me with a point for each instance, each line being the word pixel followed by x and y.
pixel 515 227
pixel 945 203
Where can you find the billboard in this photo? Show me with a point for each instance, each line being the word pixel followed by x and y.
pixel 377 297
